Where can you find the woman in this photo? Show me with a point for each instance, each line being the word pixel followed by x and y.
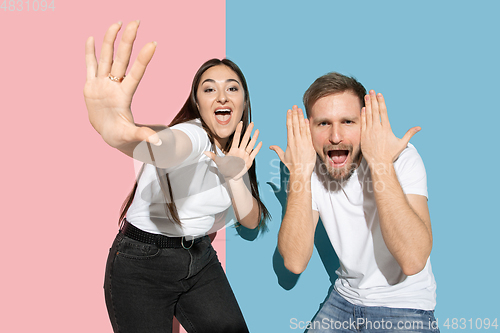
pixel 162 263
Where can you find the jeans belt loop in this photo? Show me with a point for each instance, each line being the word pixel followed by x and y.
pixel 190 246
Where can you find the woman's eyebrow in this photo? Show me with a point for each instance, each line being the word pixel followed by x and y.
pixel 228 80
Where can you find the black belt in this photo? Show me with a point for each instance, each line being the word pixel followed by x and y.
pixel 160 241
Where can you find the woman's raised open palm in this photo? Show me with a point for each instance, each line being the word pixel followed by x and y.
pixel 109 102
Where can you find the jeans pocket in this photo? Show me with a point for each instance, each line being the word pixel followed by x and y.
pixel 132 249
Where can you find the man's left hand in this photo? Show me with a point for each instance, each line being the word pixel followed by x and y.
pixel 379 145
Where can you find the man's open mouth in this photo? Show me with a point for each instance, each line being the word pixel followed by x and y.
pixel 223 116
pixel 338 157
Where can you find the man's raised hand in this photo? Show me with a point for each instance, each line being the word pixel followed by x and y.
pixel 379 145
pixel 300 155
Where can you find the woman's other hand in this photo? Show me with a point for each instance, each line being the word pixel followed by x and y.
pixel 241 155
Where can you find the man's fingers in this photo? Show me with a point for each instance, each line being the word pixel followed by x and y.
pixel 295 122
pixel 368 111
pixel 308 130
pixel 302 123
pixel 90 59
pixel 363 119
pixel 375 108
pixel 106 58
pixel 280 152
pixel 383 110
pixel 124 51
pixel 130 83
pixel 289 128
pixel 411 132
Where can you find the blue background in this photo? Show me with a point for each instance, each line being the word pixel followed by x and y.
pixel 437 65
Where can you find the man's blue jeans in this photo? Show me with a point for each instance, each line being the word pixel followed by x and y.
pixel 145 286
pixel 338 315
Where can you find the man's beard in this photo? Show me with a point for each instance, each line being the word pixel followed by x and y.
pixel 344 173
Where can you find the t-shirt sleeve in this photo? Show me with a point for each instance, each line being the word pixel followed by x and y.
pixel 199 142
pixel 411 173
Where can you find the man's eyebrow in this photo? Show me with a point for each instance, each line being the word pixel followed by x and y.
pixel 228 80
pixel 327 120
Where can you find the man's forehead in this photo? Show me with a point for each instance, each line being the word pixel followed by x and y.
pixel 340 104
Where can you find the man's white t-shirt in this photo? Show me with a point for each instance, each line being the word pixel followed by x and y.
pixel 368 274
pixel 199 191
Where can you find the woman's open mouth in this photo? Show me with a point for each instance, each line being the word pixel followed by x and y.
pixel 223 115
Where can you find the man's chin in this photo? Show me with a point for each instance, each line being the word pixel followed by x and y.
pixel 337 174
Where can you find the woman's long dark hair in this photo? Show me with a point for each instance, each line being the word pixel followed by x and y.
pixel 189 112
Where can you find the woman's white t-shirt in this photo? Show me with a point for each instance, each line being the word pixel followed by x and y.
pixel 199 191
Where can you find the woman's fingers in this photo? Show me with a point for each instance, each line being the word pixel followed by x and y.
pixel 90 59
pixel 252 142
pixel 246 137
pixel 130 83
pixel 256 151
pixel 146 134
pixel 124 51
pixel 106 58
pixel 237 136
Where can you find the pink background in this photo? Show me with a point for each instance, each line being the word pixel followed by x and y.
pixel 62 185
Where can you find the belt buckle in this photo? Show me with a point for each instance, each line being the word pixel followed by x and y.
pixel 190 246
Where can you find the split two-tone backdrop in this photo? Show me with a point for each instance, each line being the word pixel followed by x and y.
pixel 436 63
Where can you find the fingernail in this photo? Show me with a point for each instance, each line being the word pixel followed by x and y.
pixel 158 143
pixel 120 23
pixel 155 43
pixel 138 22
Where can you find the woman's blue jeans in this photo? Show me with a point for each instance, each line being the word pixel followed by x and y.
pixel 338 315
pixel 145 286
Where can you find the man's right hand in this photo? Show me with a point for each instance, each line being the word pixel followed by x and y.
pixel 296 235
pixel 300 156
pixel 109 102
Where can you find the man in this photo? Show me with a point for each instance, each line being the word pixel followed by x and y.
pixel 369 188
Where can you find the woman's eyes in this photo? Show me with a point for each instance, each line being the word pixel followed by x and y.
pixel 231 89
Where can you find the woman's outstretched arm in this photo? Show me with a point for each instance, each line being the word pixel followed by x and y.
pixel 108 96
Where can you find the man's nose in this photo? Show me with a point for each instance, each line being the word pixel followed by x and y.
pixel 336 134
